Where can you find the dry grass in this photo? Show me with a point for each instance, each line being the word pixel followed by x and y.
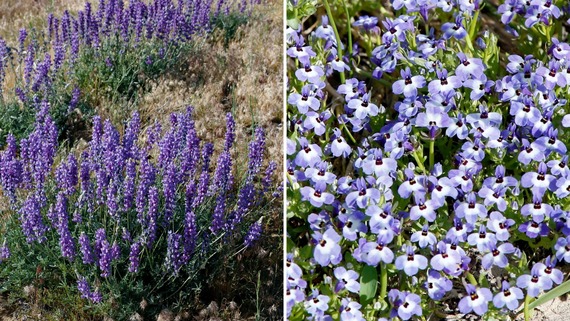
pixel 17 14
pixel 248 75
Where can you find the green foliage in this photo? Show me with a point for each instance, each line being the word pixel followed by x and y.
pixel 229 24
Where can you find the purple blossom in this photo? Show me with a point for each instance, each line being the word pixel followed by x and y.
pixel 476 300
pixel 347 279
pixel 411 262
pixel 327 249
pixel 409 85
pixel 536 281
pixel 253 234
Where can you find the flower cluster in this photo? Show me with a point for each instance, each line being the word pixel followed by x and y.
pixel 112 48
pixel 450 183
pixel 127 202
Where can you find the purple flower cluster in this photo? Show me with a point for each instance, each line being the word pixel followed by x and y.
pixel 436 187
pixel 119 205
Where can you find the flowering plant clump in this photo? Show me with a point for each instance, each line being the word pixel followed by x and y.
pixel 135 216
pixel 109 51
pixel 427 160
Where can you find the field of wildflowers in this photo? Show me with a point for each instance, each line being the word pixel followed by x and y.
pixel 427 161
pixel 130 213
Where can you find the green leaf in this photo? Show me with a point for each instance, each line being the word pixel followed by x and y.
pixel 550 295
pixel 368 284
pixel 293 23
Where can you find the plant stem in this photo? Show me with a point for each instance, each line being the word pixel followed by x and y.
pixel 383 280
pixel 419 162
pixel 337 36
pixel 431 152
pixel 526 310
pixel 348 27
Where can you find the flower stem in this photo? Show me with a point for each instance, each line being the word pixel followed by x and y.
pixel 383 280
pixel 431 152
pixel 419 161
pixel 348 28
pixel 526 310
pixel 337 36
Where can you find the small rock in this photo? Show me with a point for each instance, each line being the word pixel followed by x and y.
pixel 232 306
pixel 29 290
pixel 213 309
pixel 165 315
pixel 143 304
pixel 136 317
pixel 182 316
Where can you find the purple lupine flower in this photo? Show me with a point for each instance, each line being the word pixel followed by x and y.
pixel 31 219
pixel 85 248
pixel 104 252
pixel 112 200
pixel 253 234
pixel 85 290
pixel 66 242
pixel 134 259
pixel 476 300
pixel 174 260
pixel 218 214
pixel 150 222
pixel 169 183
pixel 10 168
pixel 190 234
pixel 83 287
pixel 4 252
pixel 4 60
